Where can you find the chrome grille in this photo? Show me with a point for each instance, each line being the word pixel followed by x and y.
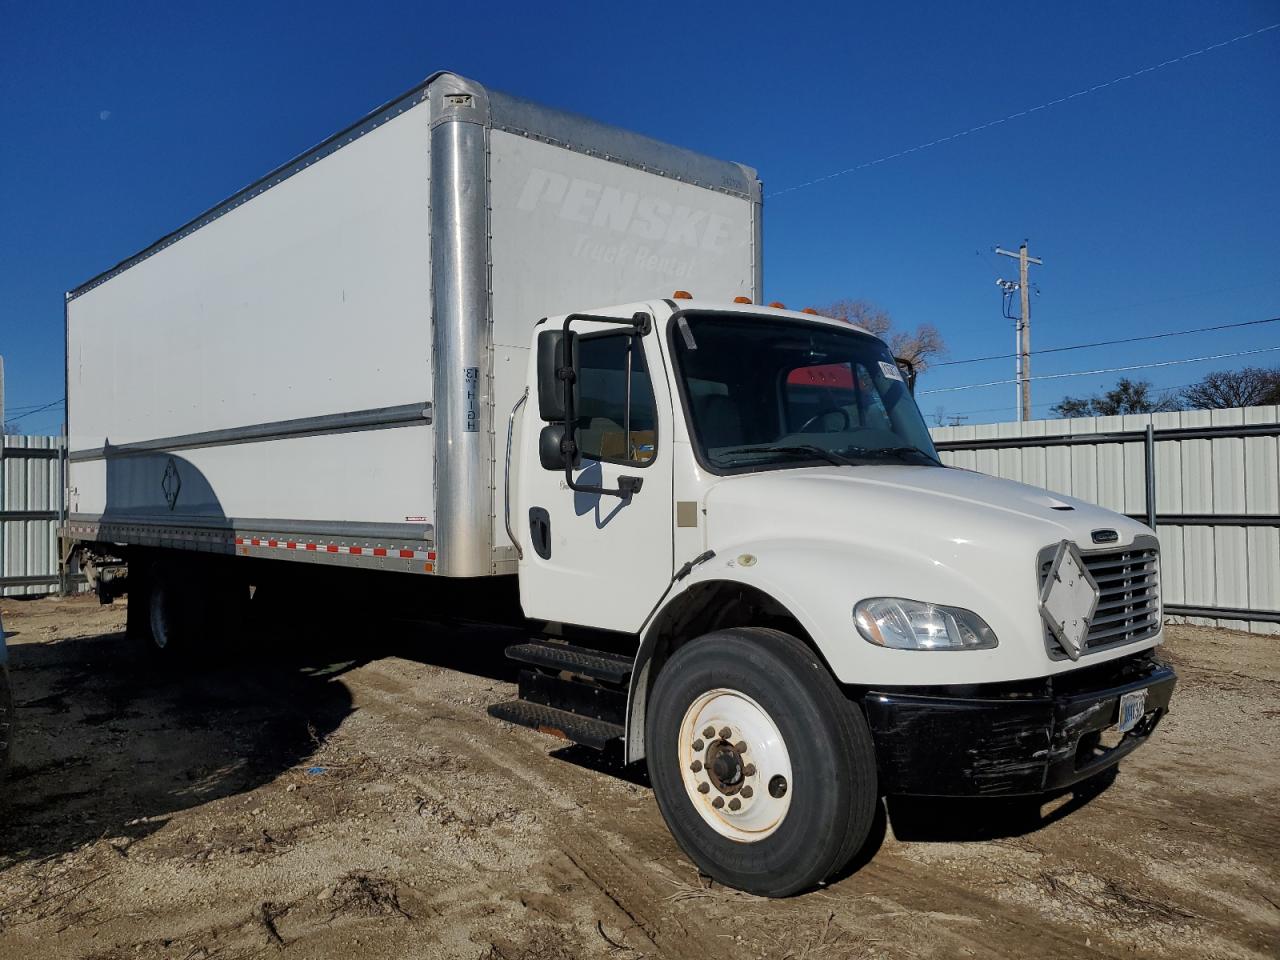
pixel 1128 595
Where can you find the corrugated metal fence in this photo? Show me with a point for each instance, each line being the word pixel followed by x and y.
pixel 30 501
pixel 1215 476
pixel 1207 480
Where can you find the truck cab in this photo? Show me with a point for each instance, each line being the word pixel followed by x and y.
pixel 804 607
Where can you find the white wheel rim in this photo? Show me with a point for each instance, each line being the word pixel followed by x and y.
pixel 741 783
pixel 159 625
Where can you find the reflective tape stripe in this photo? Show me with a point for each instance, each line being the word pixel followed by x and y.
pixel 399 553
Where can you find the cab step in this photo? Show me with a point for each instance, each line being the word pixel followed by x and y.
pixel 571 692
pixel 597 734
pixel 579 661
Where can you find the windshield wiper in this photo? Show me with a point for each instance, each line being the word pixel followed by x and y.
pixel 796 450
pixel 900 452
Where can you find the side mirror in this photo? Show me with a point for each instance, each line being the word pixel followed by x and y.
pixel 554 452
pixel 909 368
pixel 557 374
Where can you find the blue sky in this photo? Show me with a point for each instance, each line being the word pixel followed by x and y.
pixel 1154 202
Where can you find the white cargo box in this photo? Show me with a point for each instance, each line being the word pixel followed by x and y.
pixel 320 367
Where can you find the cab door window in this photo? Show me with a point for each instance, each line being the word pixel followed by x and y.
pixel 617 415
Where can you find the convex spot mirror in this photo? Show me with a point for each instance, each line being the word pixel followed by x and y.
pixel 553 452
pixel 557 374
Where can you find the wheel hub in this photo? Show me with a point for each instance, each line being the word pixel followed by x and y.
pixel 732 756
pixel 724 764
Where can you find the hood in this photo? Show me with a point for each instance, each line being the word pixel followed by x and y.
pixel 821 538
pixel 923 503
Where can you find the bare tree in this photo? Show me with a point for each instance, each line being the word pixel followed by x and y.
pixel 1127 396
pixel 919 346
pixel 1247 387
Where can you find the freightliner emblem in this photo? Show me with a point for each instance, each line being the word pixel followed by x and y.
pixel 171 483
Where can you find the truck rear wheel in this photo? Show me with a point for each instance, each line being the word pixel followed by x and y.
pixel 764 771
pixel 168 612
pixel 170 617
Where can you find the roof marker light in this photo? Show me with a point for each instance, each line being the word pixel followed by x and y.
pixel 810 310
pixel 778 305
pixel 682 295
pixel 742 300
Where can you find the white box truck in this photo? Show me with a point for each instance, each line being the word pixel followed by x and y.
pixel 441 351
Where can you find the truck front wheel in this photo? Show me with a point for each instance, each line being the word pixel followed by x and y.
pixel 764 771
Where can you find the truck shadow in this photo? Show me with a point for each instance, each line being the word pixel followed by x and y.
pixel 110 743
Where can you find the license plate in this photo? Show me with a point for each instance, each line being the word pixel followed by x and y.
pixel 1132 707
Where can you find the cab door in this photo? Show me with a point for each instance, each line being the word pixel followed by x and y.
pixel 592 558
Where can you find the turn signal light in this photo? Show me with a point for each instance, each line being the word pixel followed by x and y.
pixel 682 295
pixel 778 305
pixel 741 299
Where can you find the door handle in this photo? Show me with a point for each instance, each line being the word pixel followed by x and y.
pixel 540 532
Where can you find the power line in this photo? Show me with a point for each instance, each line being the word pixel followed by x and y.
pixel 28 406
pixel 1109 343
pixel 1022 113
pixel 1089 373
pixel 22 416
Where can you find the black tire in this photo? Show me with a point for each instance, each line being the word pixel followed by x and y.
pixel 182 610
pixel 171 618
pixel 834 789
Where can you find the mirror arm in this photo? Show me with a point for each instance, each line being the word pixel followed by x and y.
pixel 627 486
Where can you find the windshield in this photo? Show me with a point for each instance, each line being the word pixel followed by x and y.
pixel 766 393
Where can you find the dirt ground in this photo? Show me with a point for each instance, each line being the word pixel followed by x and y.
pixel 336 790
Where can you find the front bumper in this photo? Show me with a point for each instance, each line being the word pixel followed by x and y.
pixel 1012 739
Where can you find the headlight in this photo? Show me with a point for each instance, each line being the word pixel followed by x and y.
pixel 914 625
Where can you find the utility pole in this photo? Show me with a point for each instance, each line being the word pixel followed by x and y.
pixel 1023 338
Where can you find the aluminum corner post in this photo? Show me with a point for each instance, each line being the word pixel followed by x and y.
pixel 462 332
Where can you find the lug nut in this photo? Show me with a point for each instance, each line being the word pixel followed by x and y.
pixel 709 732
pixel 747 792
pixel 741 746
pixel 749 771
pixel 725 733
pixel 718 802
pixel 698 746
pixel 735 803
pixel 704 788
pixel 695 766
